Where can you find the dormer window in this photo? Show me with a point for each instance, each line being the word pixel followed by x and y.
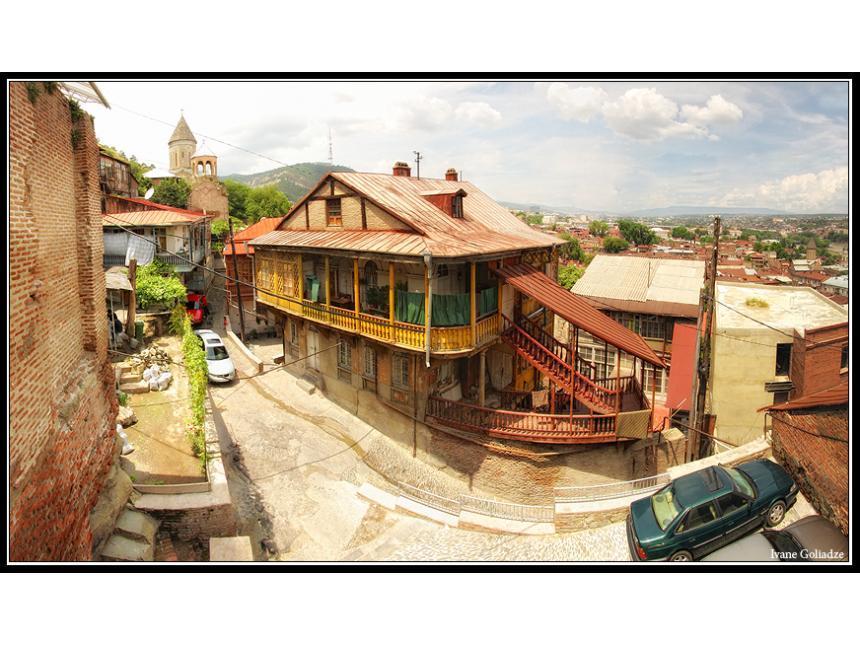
pixel 333 216
pixel 457 206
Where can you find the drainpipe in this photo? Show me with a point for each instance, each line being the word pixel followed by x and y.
pixel 428 261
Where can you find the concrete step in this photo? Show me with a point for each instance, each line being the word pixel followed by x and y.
pixel 137 526
pixel 135 387
pixel 129 377
pixel 122 548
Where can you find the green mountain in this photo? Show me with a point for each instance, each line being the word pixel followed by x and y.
pixel 294 180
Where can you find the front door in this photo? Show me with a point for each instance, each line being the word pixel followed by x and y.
pixel 313 361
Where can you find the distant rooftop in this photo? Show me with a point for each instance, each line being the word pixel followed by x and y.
pixel 837 281
pixel 787 308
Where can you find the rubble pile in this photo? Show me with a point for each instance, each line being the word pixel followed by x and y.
pixel 149 357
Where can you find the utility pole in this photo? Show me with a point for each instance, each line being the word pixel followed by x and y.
pixel 236 280
pixel 707 311
pixel 330 153
pixel 132 298
pixel 418 158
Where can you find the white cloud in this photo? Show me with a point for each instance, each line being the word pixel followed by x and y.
pixel 716 110
pixel 644 113
pixel 805 192
pixel 478 113
pixel 641 113
pixel 579 103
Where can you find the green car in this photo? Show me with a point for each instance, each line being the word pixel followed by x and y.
pixel 703 511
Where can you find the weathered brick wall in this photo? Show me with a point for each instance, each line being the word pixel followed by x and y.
pixel 205 522
pixel 818 464
pixel 62 402
pixel 815 360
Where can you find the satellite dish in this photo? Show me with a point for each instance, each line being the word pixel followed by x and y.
pixel 149 193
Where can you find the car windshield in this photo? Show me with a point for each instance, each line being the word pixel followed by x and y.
pixel 216 352
pixel 192 305
pixel 741 482
pixel 666 508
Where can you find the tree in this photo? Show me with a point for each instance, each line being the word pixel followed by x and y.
pixel 237 197
pixel 157 285
pixel 598 228
pixel 636 233
pixel 266 202
pixel 569 274
pixel 571 250
pixel 682 233
pixel 614 245
pixel 172 191
pixel 699 231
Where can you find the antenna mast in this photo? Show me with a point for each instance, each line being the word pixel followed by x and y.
pixel 418 158
pixel 330 153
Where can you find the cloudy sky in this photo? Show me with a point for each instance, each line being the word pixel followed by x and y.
pixel 594 145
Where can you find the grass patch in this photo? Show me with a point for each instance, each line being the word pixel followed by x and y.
pixel 756 302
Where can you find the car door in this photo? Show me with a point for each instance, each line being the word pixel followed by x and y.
pixel 700 530
pixel 736 516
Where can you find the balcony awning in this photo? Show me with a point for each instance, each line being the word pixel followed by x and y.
pixel 576 310
pixel 683 366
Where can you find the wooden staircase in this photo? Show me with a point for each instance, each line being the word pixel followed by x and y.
pixel 555 364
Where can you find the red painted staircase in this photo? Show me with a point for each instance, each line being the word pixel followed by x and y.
pixel 555 364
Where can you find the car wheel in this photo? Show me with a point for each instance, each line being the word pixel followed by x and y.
pixel 775 514
pixel 681 557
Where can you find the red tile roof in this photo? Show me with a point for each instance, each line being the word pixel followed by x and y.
pixel 836 396
pixel 576 310
pixel 249 233
pixel 162 207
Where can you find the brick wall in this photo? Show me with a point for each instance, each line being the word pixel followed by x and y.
pixel 815 359
pixel 62 401
pixel 818 464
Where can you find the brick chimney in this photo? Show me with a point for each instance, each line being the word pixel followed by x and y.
pixel 451 175
pixel 401 169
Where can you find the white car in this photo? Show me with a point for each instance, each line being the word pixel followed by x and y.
pixel 218 361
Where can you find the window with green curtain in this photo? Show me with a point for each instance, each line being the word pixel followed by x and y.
pixel 450 310
pixel 312 288
pixel 409 307
pixel 488 300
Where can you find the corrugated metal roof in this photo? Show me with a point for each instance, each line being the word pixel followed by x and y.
pixel 162 207
pixel 485 228
pixel 836 396
pixel 664 280
pixel 399 243
pixel 683 366
pixel 576 310
pixel 249 233
pixel 150 218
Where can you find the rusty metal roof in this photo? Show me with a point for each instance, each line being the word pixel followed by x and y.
pixel 485 228
pixel 836 396
pixel 399 243
pixel 147 218
pixel 576 310
pixel 249 233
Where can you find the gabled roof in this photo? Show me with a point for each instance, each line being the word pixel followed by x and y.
pixel 182 132
pixel 485 228
pixel 162 207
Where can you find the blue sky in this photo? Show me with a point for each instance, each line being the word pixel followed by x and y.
pixel 611 146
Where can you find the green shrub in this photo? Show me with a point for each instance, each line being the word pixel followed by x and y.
pixel 123 398
pixel 158 285
pixel 194 359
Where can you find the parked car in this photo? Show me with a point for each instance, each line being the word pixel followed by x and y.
pixel 809 539
pixel 218 361
pixel 197 307
pixel 705 510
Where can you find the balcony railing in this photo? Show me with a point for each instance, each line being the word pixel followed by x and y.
pixel 408 335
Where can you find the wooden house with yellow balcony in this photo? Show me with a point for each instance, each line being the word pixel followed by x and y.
pixel 428 296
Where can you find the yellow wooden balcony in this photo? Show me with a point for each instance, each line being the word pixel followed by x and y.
pixel 406 335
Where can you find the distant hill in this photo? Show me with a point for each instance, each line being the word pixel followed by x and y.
pixel 294 180
pixel 669 211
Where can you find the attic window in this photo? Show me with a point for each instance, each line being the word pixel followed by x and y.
pixel 333 217
pixel 457 206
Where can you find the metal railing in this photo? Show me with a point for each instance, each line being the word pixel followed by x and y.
pixel 609 490
pixel 509 510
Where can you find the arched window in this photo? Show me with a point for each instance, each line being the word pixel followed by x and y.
pixel 208 168
pixel 199 169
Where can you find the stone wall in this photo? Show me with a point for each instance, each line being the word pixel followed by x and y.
pixel 62 401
